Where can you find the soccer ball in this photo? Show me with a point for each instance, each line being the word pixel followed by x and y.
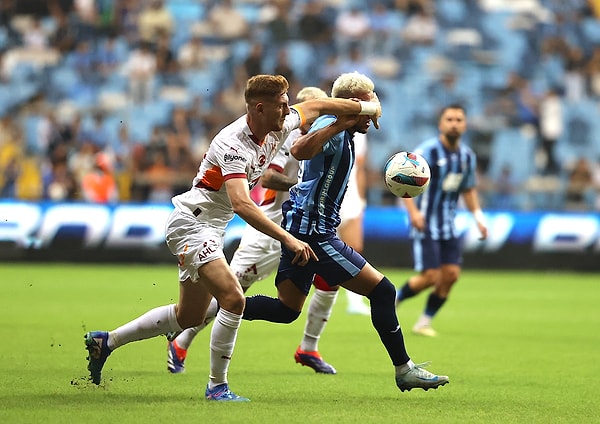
pixel 406 174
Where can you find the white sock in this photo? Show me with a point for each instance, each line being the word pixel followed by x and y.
pixel 355 300
pixel 222 342
pixel 319 311
pixel 185 339
pixel 404 368
pixel 424 321
pixel 153 323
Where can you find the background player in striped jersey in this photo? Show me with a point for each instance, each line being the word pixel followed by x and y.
pixel 437 247
pixel 234 162
pixel 312 214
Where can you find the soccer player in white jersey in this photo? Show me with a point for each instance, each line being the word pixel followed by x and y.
pixel 234 162
pixel 312 214
pixel 258 256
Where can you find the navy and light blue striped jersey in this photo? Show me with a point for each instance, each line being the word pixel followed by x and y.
pixel 452 172
pixel 314 205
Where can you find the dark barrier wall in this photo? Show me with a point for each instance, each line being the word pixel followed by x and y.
pixel 135 233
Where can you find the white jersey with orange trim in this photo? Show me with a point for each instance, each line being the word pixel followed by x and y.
pixel 258 254
pixel 233 153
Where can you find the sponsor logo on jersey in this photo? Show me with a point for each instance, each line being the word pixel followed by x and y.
pixel 228 157
pixel 209 247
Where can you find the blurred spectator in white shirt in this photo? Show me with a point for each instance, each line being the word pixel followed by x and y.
pixel 353 27
pixel 421 28
pixel 35 36
pixel 226 22
pixel 192 55
pixel 140 68
pixel 383 30
pixel 551 128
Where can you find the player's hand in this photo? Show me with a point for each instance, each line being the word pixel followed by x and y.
pixel 417 220
pixel 302 251
pixel 483 231
pixel 375 118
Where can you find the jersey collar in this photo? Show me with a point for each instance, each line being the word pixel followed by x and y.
pixel 252 137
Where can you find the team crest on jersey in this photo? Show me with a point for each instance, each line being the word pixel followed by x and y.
pixel 262 159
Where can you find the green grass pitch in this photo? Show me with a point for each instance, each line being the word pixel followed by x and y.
pixel 519 347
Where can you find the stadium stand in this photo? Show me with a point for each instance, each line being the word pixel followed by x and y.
pixel 498 58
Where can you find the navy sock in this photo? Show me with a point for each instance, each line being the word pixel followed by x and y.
pixel 405 292
pixel 434 303
pixel 268 309
pixel 383 317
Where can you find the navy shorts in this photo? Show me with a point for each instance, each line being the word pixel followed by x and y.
pixel 431 254
pixel 337 263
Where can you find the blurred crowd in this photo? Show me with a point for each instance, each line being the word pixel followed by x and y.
pixel 117 100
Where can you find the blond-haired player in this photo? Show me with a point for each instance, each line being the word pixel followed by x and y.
pixel 234 162
pixel 312 215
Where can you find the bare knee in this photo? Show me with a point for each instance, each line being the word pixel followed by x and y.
pixel 448 278
pixel 450 275
pixel 233 301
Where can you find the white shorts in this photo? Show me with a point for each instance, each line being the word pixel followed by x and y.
pixel 256 257
pixel 352 206
pixel 193 242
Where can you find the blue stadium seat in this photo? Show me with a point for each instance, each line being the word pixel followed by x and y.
pixel 112 124
pixel 581 131
pixel 64 81
pixel 200 82
pixel 159 112
pixel 139 122
pixel 301 57
pixel 591 29
pixel 185 13
pixel 23 71
pixel 239 50
pixel 450 12
pixel 510 146
pixel 30 126
pixel 249 11
pixel 3 38
pixel 186 10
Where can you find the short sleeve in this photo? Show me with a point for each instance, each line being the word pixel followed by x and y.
pixel 232 158
pixel 322 122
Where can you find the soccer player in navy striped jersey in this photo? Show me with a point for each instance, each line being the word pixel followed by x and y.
pixel 312 215
pixel 437 247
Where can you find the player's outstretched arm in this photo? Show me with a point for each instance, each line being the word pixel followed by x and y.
pixel 311 144
pixel 242 204
pixel 312 109
pixel 276 180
